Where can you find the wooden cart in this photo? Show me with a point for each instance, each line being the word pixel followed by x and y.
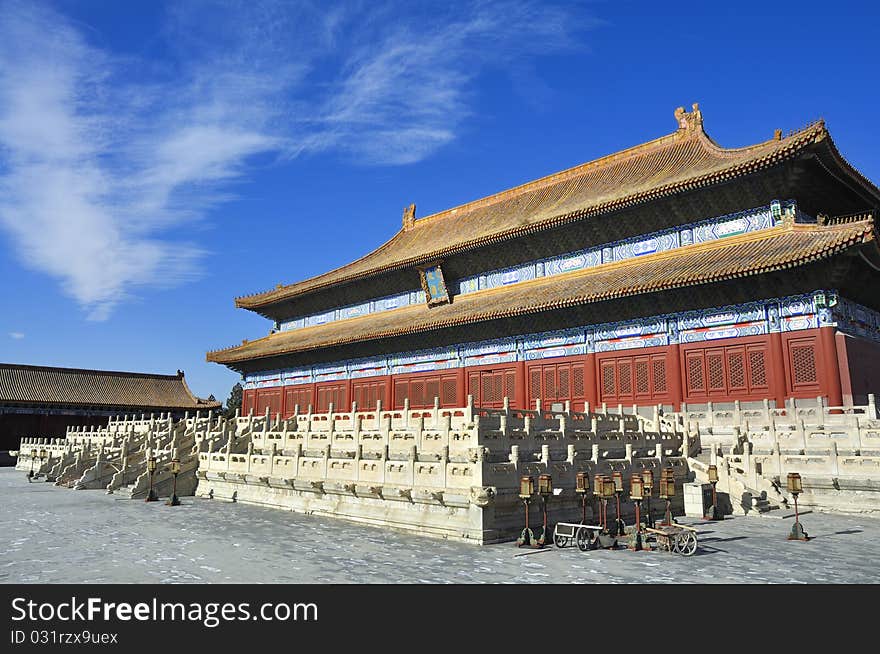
pixel 586 537
pixel 679 539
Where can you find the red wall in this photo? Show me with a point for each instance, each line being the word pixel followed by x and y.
pixel 859 361
pixel 803 364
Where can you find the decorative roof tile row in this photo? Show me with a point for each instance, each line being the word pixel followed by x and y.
pixel 21 384
pixel 684 160
pixel 748 254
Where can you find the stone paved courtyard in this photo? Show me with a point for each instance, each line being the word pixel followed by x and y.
pixel 53 535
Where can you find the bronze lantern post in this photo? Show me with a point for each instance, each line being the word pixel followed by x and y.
pixel 526 490
pixel 667 492
pixel 582 487
pixel 33 458
pixel 598 494
pixel 796 487
pixel 714 513
pixel 151 467
pixel 545 490
pixel 636 492
pixel 619 526
pixel 175 470
pixel 607 494
pixel 648 489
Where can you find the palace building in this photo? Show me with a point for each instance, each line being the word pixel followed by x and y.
pixel 676 273
pixel 44 401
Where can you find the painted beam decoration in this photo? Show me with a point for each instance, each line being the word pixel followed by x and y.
pixel 822 308
pixel 434 289
pixel 434 285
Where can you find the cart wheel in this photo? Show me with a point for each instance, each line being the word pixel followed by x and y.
pixel 584 539
pixel 686 543
pixel 560 541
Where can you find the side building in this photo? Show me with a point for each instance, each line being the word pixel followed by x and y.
pixel 676 272
pixel 41 401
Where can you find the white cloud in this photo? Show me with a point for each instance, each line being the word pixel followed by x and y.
pixel 16 335
pixel 101 155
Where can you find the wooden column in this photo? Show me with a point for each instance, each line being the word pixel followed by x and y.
pixel 520 386
pixel 674 379
pixel 460 387
pixel 388 399
pixel 846 390
pixel 779 384
pixel 829 369
pixel 591 381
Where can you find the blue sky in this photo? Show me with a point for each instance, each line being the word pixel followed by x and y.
pixel 159 159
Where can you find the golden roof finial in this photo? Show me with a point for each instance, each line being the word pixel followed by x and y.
pixel 409 217
pixel 777 135
pixel 689 121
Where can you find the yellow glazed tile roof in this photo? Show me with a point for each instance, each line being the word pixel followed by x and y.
pixel 22 384
pixel 684 160
pixel 748 254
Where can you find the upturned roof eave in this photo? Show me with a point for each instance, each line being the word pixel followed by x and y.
pixel 861 233
pixel 789 147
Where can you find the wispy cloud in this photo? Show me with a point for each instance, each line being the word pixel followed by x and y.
pixel 16 336
pixel 102 154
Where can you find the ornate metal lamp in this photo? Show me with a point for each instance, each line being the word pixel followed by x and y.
pixel 545 490
pixel 636 492
pixel 526 490
pixel 667 492
pixel 151 467
pixel 648 488
pixel 582 487
pixel 175 470
pixel 607 494
pixel 33 458
pixel 796 487
pixel 598 480
pixel 617 479
pixel 714 513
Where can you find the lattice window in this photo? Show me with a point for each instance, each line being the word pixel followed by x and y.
pixel 492 389
pixel 510 385
pixel 300 396
pixel 803 364
pixel 624 369
pixel 564 389
pixel 417 393
pixel 715 365
pixel 401 392
pixel 432 390
pixel 695 373
pixel 642 386
pixel 758 368
pixel 323 399
pixel 474 388
pixel 549 383
pixel 449 391
pixel 577 380
pixel 736 369
pixel 608 385
pixel 534 383
pixel 659 365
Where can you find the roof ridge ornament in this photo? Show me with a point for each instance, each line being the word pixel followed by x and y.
pixel 409 217
pixel 689 121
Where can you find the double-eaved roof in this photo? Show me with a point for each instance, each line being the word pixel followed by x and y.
pixel 72 387
pixel 748 254
pixel 683 161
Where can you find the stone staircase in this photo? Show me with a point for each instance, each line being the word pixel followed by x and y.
pixel 749 493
